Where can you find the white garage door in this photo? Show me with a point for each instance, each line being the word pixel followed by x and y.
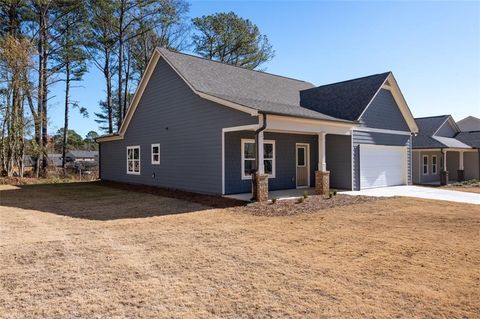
pixel 382 165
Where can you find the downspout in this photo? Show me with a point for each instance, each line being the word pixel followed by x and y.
pixel 261 129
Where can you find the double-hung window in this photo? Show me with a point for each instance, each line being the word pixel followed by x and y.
pixel 133 160
pixel 248 158
pixel 425 165
pixel 434 164
pixel 155 153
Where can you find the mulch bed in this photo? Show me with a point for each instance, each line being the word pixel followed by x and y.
pixel 309 205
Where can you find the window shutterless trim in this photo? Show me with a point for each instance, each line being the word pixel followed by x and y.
pixel 434 172
pixel 139 160
pixel 424 165
pixel 243 159
pixel 152 154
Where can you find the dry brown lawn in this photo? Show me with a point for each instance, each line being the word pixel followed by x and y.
pixel 88 251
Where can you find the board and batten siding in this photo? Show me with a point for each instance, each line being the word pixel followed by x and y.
pixel 361 137
pixel 285 160
pixel 383 113
pixel 339 163
pixel 188 129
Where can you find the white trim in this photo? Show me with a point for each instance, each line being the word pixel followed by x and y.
pixel 139 160
pixel 305 146
pixel 153 162
pixel 434 165
pixel 381 130
pixel 243 159
pixel 425 165
pixel 439 149
pixel 449 118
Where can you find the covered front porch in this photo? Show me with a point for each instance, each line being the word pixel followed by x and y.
pixel 293 159
pixel 446 165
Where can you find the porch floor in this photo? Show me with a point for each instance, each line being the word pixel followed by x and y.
pixel 280 194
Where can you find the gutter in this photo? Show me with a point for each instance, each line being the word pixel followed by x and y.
pixel 258 131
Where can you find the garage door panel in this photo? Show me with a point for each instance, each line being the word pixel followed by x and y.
pixel 382 165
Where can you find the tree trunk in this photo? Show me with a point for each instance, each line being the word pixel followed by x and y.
pixel 65 126
pixel 108 78
pixel 120 63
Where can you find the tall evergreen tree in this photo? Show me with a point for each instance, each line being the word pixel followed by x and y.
pixel 228 38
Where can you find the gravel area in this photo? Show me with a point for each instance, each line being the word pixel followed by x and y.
pixel 308 205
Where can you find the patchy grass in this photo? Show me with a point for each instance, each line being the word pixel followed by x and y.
pixel 76 250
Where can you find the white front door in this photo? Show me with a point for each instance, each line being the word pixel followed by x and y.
pixel 303 165
pixel 382 165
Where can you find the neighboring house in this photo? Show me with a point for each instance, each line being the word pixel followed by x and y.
pixel 54 159
pixel 469 124
pixel 441 146
pixel 194 124
pixel 81 156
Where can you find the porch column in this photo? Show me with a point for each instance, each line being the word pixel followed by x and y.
pixel 322 176
pixel 260 153
pixel 444 172
pixel 461 170
pixel 260 180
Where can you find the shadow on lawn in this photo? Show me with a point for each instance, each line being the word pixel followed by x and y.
pixel 108 200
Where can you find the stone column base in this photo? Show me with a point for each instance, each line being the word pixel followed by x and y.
pixel 260 187
pixel 322 182
pixel 460 175
pixel 444 178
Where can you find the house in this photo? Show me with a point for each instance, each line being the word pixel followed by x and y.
pixel 81 156
pixel 469 124
pixel 194 124
pixel 54 159
pixel 441 148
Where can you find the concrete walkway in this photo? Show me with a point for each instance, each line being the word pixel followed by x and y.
pixel 420 192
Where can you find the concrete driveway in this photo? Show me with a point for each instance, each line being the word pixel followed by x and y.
pixel 420 192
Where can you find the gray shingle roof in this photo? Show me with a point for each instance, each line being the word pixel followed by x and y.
pixel 85 154
pixel 429 125
pixel 469 138
pixel 426 139
pixel 258 90
pixel 347 99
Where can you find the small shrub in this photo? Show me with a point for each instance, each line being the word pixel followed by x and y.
pixel 300 200
pixel 330 195
pixel 334 193
pixel 305 194
pixel 274 200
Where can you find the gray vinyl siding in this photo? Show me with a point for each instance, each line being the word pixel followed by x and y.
pixel 285 160
pixel 339 160
pixel 189 130
pixel 384 113
pixel 452 165
pixel 360 137
pixel 447 130
pixel 418 176
pixel 472 165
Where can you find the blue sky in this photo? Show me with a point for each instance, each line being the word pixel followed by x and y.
pixel 433 49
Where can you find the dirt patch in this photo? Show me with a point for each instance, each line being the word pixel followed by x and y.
pixel 309 205
pixel 464 188
pixel 207 200
pixel 391 258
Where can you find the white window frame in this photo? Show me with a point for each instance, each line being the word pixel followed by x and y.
pixel 244 141
pixel 154 162
pixel 424 165
pixel 139 160
pixel 434 171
